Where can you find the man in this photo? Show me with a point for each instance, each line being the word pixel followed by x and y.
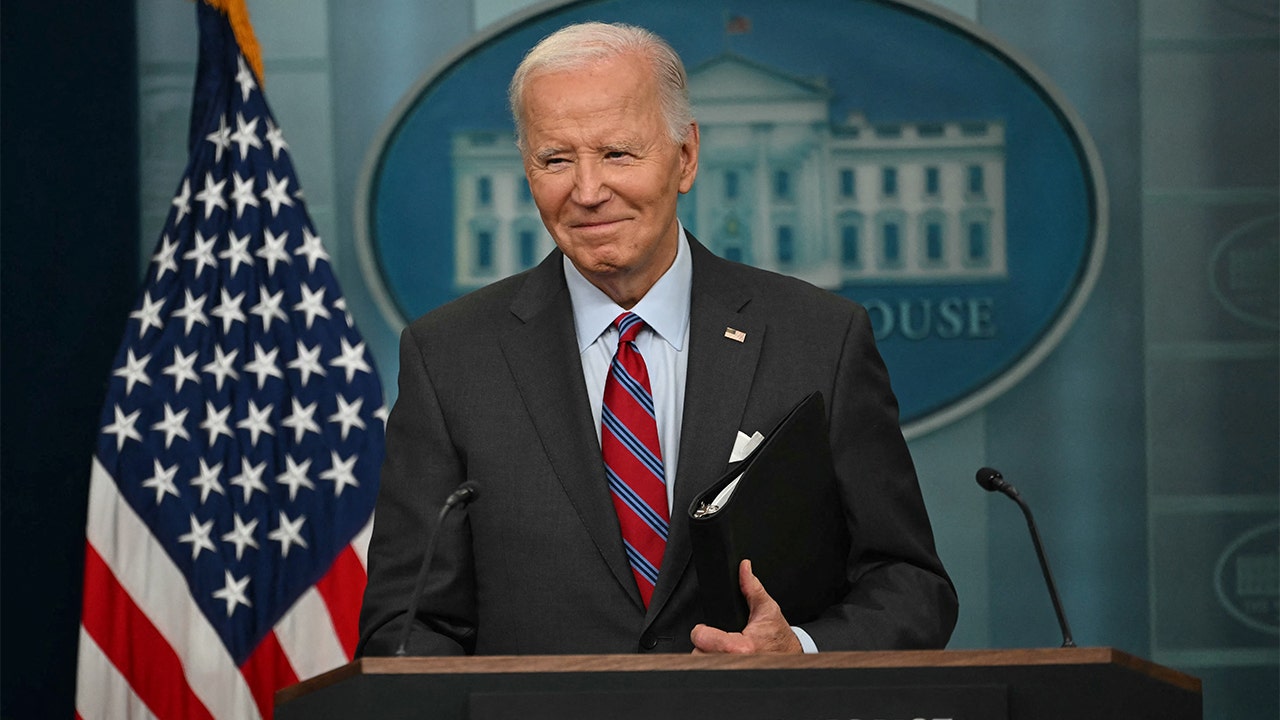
pixel 570 546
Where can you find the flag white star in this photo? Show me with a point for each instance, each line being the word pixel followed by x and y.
pixel 277 193
pixel 164 257
pixel 149 314
pixel 348 415
pixel 183 368
pixel 246 136
pixel 289 533
pixel 134 371
pixel 211 195
pixel 233 592
pixel 222 366
pixel 192 312
pixel 382 413
pixel 242 535
pixel 238 253
pixel 307 362
pixel 295 476
pixel 276 139
pixel 250 478
pixel 162 481
pixel 243 194
pixel 245 78
pixel 198 537
pixel 312 248
pixel 351 359
pixel 342 473
pixel 272 250
pixel 268 307
pixel 202 253
pixel 221 138
pixel 182 201
pixel 341 304
pixel 207 480
pixel 215 422
pixel 301 420
pixel 173 425
pixel 264 364
pixel 312 304
pixel 229 310
pixel 123 428
pixel 257 422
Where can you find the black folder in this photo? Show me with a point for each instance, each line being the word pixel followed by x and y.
pixel 785 515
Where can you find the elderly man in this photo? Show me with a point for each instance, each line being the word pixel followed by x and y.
pixel 594 396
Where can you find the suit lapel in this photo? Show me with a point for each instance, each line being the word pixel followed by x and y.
pixel 718 381
pixel 542 352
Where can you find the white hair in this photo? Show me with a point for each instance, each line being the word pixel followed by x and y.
pixel 576 46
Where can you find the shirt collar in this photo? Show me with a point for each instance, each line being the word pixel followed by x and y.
pixel 665 308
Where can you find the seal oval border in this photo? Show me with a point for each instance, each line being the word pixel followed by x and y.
pixel 1221 592
pixel 977 397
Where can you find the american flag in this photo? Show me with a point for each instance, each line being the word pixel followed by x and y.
pixel 241 437
pixel 737 25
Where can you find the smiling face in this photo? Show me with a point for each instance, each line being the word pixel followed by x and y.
pixel 605 172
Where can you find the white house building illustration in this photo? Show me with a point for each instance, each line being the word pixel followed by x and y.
pixel 780 187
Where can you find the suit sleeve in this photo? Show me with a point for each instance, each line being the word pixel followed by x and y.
pixel 900 597
pixel 420 470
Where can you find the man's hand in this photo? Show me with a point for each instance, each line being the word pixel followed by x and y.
pixel 766 631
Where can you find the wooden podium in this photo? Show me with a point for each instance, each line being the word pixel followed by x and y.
pixel 1047 684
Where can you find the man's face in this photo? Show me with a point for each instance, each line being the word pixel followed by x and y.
pixel 605 173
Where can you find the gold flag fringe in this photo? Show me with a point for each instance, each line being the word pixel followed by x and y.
pixel 238 15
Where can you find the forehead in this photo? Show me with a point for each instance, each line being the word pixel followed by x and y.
pixel 620 92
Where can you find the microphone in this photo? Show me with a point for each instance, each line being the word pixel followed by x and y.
pixel 992 481
pixel 465 493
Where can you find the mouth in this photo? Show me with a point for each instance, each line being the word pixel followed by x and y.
pixel 594 224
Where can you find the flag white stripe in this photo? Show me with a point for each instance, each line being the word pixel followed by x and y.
pixel 361 542
pixel 102 693
pixel 157 587
pixel 307 637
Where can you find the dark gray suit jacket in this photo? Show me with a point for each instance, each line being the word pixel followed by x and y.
pixel 491 391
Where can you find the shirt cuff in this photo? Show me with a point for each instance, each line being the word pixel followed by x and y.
pixel 806 642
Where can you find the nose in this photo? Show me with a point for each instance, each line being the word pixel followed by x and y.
pixel 590 187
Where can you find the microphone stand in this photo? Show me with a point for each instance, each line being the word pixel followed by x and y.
pixel 463 495
pixel 992 481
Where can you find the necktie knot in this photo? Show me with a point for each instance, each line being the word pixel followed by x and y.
pixel 629 326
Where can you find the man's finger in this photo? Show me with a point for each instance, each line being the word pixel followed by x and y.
pixel 707 639
pixel 752 589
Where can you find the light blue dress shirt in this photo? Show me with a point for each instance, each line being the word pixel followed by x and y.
pixel 665 309
pixel 664 346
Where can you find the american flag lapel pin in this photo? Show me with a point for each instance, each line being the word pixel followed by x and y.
pixel 733 334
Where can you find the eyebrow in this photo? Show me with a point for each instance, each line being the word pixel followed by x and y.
pixel 624 147
pixel 545 153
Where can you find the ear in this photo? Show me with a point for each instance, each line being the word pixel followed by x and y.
pixel 689 159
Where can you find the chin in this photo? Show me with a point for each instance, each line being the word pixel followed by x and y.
pixel 597 260
pixel 604 268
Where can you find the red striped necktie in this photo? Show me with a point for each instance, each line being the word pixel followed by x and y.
pixel 633 458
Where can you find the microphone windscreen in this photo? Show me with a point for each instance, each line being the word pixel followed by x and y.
pixel 989 479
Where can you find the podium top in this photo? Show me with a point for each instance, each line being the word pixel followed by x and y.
pixel 500 664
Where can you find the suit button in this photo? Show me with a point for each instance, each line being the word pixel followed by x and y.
pixel 648 641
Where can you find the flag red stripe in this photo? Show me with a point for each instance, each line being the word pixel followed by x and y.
pixel 343 589
pixel 267 670
pixel 133 644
